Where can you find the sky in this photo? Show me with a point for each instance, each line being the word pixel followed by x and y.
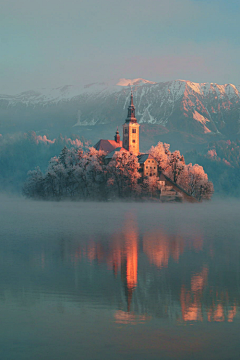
pixel 51 43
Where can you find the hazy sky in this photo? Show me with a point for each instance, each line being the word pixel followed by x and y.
pixel 49 43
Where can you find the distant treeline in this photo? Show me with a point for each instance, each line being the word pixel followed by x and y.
pixel 20 153
pixel 221 161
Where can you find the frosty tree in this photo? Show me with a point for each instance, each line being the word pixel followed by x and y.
pixel 85 174
pixel 123 174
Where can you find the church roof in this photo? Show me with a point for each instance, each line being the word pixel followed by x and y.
pixel 110 155
pixel 143 157
pixel 107 145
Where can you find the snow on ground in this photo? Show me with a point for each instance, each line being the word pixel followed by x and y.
pixel 167 92
pixel 202 120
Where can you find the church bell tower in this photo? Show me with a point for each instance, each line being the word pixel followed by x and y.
pixel 131 130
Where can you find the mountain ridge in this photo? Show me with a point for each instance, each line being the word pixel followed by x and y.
pixel 61 91
pixel 198 109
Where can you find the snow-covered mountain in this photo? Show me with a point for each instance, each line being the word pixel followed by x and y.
pixel 175 106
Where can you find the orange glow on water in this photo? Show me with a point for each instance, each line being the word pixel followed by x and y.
pixel 123 317
pixel 159 248
pixel 198 300
pixel 191 301
pixel 219 313
pixel 232 313
pixel 191 306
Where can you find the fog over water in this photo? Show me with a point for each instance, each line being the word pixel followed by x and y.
pixel 85 280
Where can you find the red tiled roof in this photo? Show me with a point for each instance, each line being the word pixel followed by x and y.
pixel 107 145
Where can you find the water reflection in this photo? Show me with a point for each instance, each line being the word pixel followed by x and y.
pixel 139 271
pixel 191 301
pixel 123 317
pixel 159 248
pixel 157 274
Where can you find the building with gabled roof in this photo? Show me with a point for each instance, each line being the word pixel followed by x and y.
pixel 109 145
pixel 148 165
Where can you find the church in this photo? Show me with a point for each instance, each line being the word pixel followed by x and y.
pixel 130 135
pixel 130 142
pixel 148 166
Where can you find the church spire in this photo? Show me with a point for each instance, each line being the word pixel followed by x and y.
pixel 131 101
pixel 131 111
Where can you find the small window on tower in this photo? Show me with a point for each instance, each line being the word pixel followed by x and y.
pixel 126 131
pixel 133 141
pixel 134 131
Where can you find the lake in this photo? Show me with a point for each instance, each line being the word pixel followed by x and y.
pixel 106 281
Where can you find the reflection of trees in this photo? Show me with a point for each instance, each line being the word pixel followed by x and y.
pixel 148 274
pixel 159 248
pixel 184 292
pixel 191 301
pixel 195 306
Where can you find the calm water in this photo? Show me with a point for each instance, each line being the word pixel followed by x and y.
pixel 119 281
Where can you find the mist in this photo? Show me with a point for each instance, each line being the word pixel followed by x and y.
pixel 119 268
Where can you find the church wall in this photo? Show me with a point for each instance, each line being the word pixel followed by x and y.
pixel 131 139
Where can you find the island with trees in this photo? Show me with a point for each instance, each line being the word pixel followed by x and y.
pixel 80 173
pixel 115 169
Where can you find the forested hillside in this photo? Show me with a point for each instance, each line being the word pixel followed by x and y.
pixel 20 153
pixel 221 161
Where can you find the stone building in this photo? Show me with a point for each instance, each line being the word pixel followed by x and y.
pixel 148 165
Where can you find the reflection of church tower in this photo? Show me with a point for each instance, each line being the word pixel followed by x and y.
pixel 129 276
pixel 129 264
pixel 131 130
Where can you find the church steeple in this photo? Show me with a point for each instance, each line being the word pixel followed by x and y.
pixel 131 111
pixel 131 130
